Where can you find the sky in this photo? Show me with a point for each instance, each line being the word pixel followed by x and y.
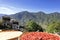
pixel 15 6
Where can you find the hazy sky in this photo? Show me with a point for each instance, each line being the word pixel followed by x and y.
pixel 14 6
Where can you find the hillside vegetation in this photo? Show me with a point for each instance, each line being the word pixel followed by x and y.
pixel 38 21
pixel 38 17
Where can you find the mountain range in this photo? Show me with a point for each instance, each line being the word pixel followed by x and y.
pixel 38 17
pixel 2 15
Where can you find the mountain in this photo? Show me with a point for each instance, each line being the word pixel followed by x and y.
pixel 2 15
pixel 38 17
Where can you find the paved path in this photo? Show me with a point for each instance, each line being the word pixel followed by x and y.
pixel 5 35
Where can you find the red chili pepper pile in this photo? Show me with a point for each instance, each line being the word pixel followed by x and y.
pixel 39 36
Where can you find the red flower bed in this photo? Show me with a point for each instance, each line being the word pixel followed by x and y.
pixel 39 36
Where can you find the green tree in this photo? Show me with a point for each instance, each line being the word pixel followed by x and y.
pixel 33 26
pixel 53 27
pixel 1 22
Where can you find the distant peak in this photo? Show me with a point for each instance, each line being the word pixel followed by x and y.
pixel 25 11
pixel 56 12
pixel 40 12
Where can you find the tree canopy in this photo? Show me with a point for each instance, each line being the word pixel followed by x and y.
pixel 33 26
pixel 53 27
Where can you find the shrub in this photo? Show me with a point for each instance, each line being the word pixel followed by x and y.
pixel 33 26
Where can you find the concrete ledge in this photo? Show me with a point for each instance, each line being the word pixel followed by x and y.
pixel 9 35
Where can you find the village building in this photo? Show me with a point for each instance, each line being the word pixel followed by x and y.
pixel 15 25
pixel 6 20
pixel 12 23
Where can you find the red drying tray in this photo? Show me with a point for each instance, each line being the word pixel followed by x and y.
pixel 39 36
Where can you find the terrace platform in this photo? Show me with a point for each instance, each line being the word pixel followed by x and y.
pixel 10 35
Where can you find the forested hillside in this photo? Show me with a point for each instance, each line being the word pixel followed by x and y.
pixel 38 17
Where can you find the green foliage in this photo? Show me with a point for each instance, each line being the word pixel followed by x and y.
pixel 32 26
pixel 53 27
pixel 57 27
pixel 39 17
pixel 1 22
